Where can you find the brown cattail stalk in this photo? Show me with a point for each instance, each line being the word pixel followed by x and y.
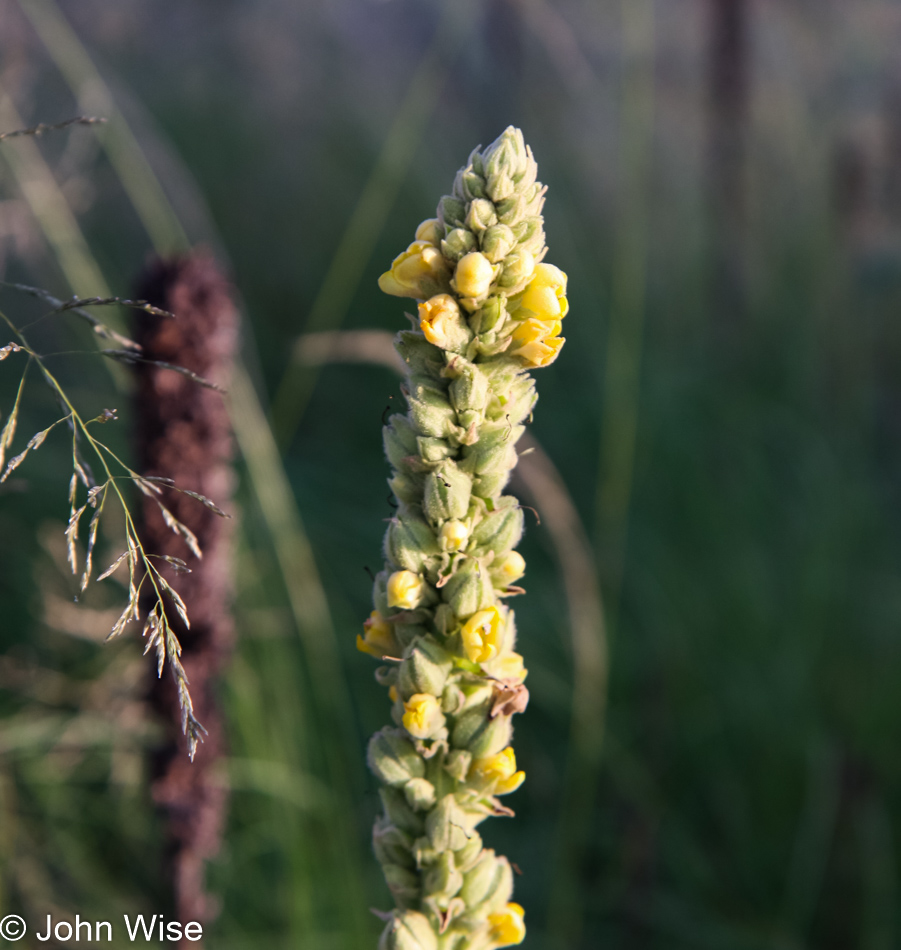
pixel 184 434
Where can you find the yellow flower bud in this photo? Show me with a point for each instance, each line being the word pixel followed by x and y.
pixel 442 323
pixel 430 231
pixel 546 294
pixel 507 926
pixel 378 637
pixel 419 272
pixel 511 568
pixel 518 269
pixel 500 770
pixel 453 535
pixel 422 716
pixel 473 275
pixel 392 693
pixel 404 590
pixel 483 635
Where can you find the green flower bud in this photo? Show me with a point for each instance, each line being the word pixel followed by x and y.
pixel 518 270
pixel 423 852
pixel 399 812
pixel 393 758
pixel 511 210
pixel 488 884
pixel 516 403
pixel 407 633
pixel 407 488
pixel 534 195
pixel 425 670
pixel 420 794
pixel 470 388
pixel 380 593
pixel 491 314
pixel 508 154
pixel 451 212
pixel 429 407
pixel 469 725
pixel 423 359
pixel 471 184
pixel 488 486
pixel 500 530
pixel 529 233
pixel 468 855
pixel 452 699
pixel 458 243
pixel 469 590
pixel 408 931
pixel 447 493
pixel 456 764
pixel 399 438
pixel 491 737
pixel 410 542
pixel 446 825
pixel 497 242
pixel 403 884
pixel 494 452
pixel 481 216
pixel 391 845
pixel 433 450
pixel 444 619
pixel 442 880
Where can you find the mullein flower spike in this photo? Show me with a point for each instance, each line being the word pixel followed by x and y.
pixel 489 310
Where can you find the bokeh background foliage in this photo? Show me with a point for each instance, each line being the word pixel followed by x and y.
pixel 725 195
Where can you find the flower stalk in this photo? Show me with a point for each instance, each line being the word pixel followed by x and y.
pixel 489 311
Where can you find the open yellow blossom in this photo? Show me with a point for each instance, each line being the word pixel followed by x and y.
pixel 501 770
pixel 430 231
pixel 511 568
pixel 422 716
pixel 441 321
pixel 378 637
pixel 537 341
pixel 507 927
pixel 533 329
pixel 483 635
pixel 546 294
pixel 453 535
pixel 404 590
pixel 509 667
pixel 473 275
pixel 419 271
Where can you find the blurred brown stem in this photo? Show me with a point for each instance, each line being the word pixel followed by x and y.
pixel 184 434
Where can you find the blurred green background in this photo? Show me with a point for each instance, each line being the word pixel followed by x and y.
pixel 725 196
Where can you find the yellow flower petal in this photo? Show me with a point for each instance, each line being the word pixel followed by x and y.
pixel 507 927
pixel 378 637
pixel 422 716
pixel 483 635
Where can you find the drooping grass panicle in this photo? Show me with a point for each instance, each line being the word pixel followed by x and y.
pixel 89 494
